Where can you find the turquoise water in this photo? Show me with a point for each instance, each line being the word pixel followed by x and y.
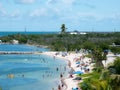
pixel 31 72
pixel 28 33
pixel 22 48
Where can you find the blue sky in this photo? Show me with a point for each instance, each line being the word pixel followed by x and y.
pixel 48 15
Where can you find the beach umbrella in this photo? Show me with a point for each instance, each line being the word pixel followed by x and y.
pixel 77 78
pixel 78 72
pixel 77 62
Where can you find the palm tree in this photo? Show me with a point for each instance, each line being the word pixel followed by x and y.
pixel 98 56
pixel 94 84
pixel 115 82
pixel 63 29
pixel 117 65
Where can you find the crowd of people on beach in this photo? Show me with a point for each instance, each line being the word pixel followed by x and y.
pixel 82 64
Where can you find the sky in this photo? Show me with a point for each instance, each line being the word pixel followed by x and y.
pixel 49 15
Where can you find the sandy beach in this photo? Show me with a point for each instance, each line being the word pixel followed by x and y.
pixel 70 57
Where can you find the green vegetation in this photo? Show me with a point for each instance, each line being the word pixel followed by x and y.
pixel 68 42
pixel 97 44
pixel 115 50
pixel 115 66
pixel 103 80
pixel 63 29
pixel 0 88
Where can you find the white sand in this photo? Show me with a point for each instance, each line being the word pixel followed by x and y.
pixel 70 57
pixel 110 59
pixel 69 81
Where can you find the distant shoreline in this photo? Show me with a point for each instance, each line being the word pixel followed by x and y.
pixel 6 33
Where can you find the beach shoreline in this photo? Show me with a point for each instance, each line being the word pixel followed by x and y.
pixel 68 81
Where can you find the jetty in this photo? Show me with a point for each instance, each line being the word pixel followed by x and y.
pixel 18 52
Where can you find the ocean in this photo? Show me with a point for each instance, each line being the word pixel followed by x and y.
pixel 28 33
pixel 21 48
pixel 29 71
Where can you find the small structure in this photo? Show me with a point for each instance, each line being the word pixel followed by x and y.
pixel 77 32
pixel 83 33
pixel 0 41
pixel 15 41
pixel 73 33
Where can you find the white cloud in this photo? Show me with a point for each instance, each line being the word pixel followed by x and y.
pixel 56 11
pixel 85 3
pixel 88 16
pixel 3 12
pixel 51 1
pixel 16 13
pixel 24 1
pixel 68 2
pixel 62 2
pixel 38 12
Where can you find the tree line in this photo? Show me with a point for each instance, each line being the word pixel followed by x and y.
pixel 68 42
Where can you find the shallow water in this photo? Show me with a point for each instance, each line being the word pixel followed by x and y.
pixel 20 48
pixel 31 72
